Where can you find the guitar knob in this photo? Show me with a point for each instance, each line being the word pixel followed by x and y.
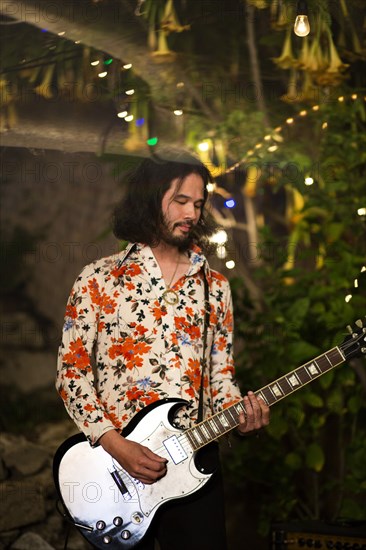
pixel 125 534
pixel 118 521
pixel 100 525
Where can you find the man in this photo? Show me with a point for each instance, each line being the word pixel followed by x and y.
pixel 142 312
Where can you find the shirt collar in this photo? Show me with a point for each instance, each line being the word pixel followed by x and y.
pixel 196 257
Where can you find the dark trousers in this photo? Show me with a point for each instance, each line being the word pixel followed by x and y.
pixel 193 523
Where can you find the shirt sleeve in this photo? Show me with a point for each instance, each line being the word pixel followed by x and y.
pixel 75 377
pixel 224 388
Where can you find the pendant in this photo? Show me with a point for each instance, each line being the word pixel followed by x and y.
pixel 170 297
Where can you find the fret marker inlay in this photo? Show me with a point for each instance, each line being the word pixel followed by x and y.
pixel 276 390
pixel 293 381
pixel 213 426
pixel 313 369
pixel 224 421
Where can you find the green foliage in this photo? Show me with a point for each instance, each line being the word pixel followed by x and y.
pixel 311 460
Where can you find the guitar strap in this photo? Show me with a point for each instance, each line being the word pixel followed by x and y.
pixel 206 323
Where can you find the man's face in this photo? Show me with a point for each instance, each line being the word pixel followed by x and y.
pixel 182 207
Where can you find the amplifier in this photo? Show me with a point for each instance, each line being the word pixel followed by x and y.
pixel 350 535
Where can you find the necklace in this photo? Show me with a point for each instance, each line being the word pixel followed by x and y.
pixel 169 295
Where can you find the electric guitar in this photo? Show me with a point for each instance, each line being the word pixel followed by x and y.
pixel 114 510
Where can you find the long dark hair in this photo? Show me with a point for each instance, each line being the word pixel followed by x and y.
pixel 138 216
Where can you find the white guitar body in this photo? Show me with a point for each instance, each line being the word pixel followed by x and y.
pixel 109 507
pixel 113 510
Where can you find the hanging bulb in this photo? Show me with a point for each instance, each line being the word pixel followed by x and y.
pixel 301 26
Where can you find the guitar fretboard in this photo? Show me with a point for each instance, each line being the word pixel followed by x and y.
pixel 220 423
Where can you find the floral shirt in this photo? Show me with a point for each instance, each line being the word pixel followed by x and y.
pixel 125 347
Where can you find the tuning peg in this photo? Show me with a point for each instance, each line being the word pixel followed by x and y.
pixel 350 329
pixel 359 323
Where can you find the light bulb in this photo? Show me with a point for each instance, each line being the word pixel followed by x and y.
pixel 301 26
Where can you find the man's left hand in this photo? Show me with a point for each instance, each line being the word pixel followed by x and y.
pixel 256 417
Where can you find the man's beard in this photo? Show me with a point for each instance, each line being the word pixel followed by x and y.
pixel 182 242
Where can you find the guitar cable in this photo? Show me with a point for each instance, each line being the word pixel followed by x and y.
pixel 69 522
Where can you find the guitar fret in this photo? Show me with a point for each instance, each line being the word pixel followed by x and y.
pixel 284 385
pixel 261 394
pixel 303 375
pixel 327 358
pixel 276 390
pixel 268 396
pixel 209 429
pixel 201 434
pixel 312 369
pixel 293 380
pixel 323 363
pixel 338 356
pixel 223 421
pixel 213 425
pixel 195 433
pixel 206 433
pixel 239 407
pixel 228 411
pixel 191 439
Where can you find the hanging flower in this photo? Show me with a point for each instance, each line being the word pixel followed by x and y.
pixel 292 93
pixel 333 76
pixel 286 59
pixel 280 15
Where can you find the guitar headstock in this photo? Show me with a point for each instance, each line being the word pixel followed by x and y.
pixel 354 345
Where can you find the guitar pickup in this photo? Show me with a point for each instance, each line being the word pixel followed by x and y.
pixel 120 484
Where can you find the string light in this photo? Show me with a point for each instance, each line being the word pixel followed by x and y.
pixel 103 74
pixel 210 187
pixel 308 180
pixel 127 66
pixel 301 25
pixel 230 203
pixel 95 63
pixel 128 118
pixel 122 114
pixel 230 264
pixel 152 141
pixel 220 237
pixel 130 92
pixel 203 146
pixel 221 252
pixel 361 211
pixel 178 112
pixel 276 132
pixel 348 298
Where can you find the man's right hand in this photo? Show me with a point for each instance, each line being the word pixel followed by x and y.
pixel 136 459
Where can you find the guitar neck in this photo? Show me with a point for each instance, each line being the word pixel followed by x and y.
pixel 226 420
